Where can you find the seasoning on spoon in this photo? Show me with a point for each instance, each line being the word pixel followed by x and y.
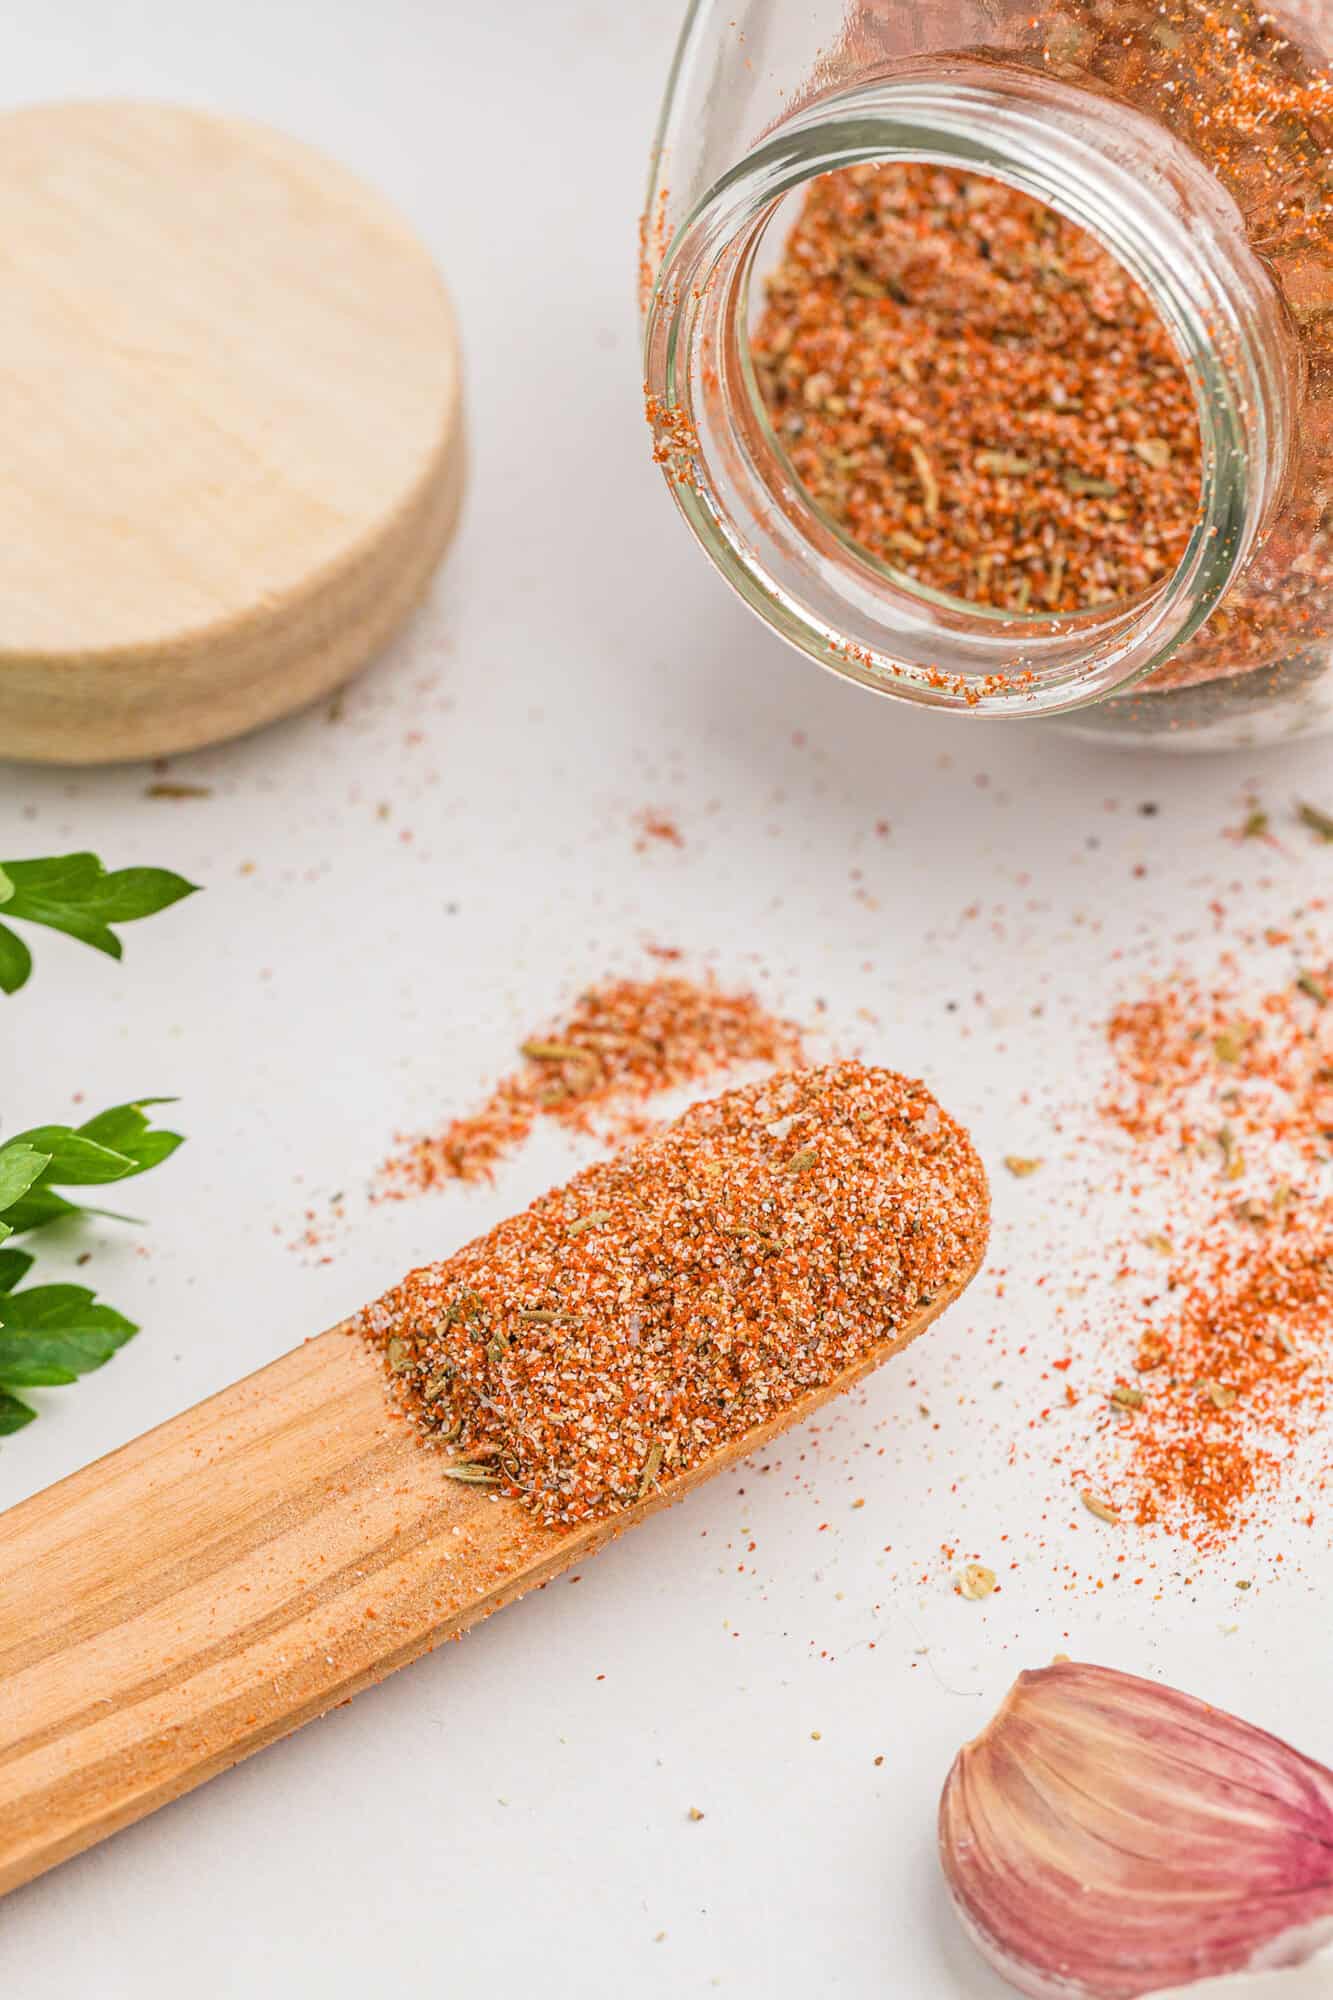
pixel 664 1302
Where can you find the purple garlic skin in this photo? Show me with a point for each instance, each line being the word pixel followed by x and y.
pixel 1106 1837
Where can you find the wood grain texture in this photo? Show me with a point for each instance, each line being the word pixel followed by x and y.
pixel 242 1569
pixel 230 395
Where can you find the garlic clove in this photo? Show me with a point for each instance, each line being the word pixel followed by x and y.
pixel 1105 1838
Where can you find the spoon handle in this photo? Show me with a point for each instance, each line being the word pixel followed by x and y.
pixel 214 1584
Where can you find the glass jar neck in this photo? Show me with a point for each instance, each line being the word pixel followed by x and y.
pixel 1104 167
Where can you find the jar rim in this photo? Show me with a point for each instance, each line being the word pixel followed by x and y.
pixel 1103 166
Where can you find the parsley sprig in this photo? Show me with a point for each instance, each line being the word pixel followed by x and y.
pixel 53 1334
pixel 74 893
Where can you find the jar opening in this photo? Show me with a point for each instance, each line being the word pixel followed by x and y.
pixel 767 316
pixel 971 393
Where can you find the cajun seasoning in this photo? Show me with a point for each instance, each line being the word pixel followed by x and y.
pixel 625 1042
pixel 1224 1090
pixel 977 393
pixel 663 1303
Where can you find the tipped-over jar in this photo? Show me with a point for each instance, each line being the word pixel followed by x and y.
pixel 1192 142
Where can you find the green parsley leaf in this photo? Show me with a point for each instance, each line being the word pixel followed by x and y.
pixel 73 1159
pixel 15 960
pixel 125 1130
pixel 14 1265
pixel 113 1146
pixel 20 1167
pixel 42 1205
pixel 13 1414
pixel 52 1334
pixel 74 893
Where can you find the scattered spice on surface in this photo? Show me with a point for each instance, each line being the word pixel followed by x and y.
pixel 1319 823
pixel 1235 1337
pixel 975 391
pixel 658 827
pixel 579 1368
pixel 625 1042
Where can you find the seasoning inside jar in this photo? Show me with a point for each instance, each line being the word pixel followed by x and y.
pixel 972 390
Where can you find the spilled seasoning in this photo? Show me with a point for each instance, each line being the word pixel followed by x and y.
pixel 657 826
pixel 628 1325
pixel 625 1042
pixel 1218 1370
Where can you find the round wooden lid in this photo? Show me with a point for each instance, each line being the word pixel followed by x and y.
pixel 229 398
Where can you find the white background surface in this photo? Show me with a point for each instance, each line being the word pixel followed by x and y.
pixel 511 1815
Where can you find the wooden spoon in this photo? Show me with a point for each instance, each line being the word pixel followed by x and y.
pixel 246 1567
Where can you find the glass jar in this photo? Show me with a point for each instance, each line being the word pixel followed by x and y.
pixel 1193 141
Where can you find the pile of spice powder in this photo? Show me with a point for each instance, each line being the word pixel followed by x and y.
pixel 976 392
pixel 625 1041
pixel 668 1301
pixel 1220 1371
